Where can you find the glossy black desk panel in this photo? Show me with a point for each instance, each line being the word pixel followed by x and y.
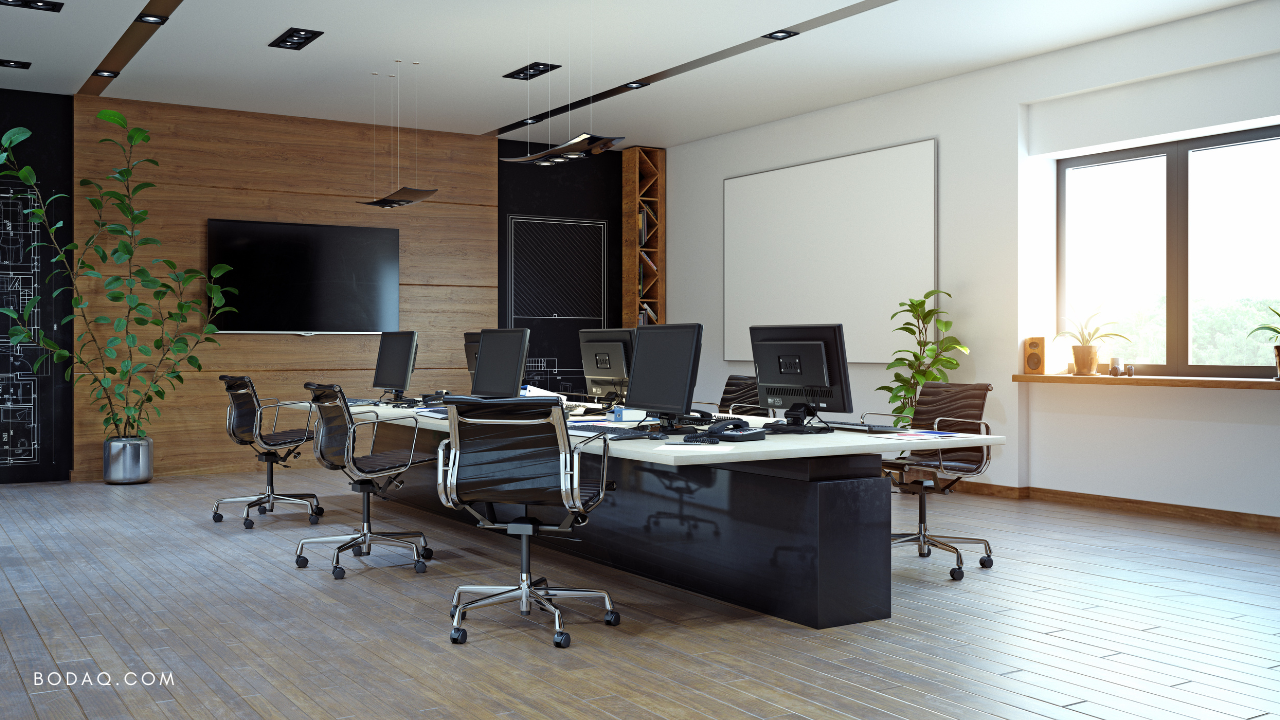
pixel 815 552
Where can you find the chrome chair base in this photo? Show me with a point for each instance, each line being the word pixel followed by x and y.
pixel 528 593
pixel 361 543
pixel 925 543
pixel 268 500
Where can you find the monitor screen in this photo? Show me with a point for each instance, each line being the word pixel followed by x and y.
pixel 664 368
pixel 802 364
pixel 606 360
pixel 295 278
pixel 470 347
pixel 500 363
pixel 397 352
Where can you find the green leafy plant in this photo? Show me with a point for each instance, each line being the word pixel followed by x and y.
pixel 1086 334
pixel 1273 331
pixel 928 362
pixel 146 340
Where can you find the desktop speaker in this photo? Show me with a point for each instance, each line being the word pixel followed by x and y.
pixel 1033 356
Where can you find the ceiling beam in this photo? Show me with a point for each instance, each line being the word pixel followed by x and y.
pixel 740 48
pixel 134 37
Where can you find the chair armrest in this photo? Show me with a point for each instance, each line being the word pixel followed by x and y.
pixel 983 425
pixel 276 420
pixel 735 406
pixel 864 415
pixel 700 402
pixel 412 446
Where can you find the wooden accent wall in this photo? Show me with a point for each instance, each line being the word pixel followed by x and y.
pixel 250 166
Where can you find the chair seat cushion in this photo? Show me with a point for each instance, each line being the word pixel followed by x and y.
pixel 928 463
pixel 529 496
pixel 287 437
pixel 390 460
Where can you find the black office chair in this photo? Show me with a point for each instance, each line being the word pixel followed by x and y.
pixel 244 425
pixel 684 487
pixel 516 451
pixel 951 407
pixel 335 449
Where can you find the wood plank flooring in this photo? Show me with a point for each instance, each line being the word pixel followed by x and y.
pixel 1087 614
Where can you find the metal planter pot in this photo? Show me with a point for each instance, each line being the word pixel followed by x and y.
pixel 127 460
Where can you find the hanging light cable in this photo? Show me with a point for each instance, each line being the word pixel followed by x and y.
pixel 405 195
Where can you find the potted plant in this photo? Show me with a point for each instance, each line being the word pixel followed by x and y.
pixel 1085 352
pixel 928 362
pixel 143 335
pixel 1273 331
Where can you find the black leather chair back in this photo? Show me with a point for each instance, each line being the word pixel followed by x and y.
pixel 742 389
pixel 334 426
pixel 498 457
pixel 242 413
pixel 952 400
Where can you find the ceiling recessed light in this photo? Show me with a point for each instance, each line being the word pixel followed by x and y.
pixel 636 85
pixel 153 19
pixel 531 71
pixel 46 5
pixel 295 39
pixel 13 3
pixel 781 35
pixel 530 121
pixel 16 64
pixel 106 73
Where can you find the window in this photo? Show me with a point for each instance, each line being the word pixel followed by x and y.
pixel 1178 245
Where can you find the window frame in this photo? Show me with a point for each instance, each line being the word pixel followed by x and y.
pixel 1177 309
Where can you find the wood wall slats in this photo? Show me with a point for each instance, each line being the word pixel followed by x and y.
pixel 247 166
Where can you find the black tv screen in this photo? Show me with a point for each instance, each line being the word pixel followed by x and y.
pixel 296 278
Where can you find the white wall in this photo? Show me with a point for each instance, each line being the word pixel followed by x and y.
pixel 995 248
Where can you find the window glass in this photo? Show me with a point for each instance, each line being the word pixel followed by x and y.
pixel 1114 248
pixel 1233 251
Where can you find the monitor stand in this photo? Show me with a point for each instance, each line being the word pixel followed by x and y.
pixel 667 424
pixel 797 416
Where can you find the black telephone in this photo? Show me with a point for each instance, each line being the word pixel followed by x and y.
pixel 728 431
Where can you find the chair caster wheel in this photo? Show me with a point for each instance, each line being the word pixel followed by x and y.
pixel 338 573
pixel 357 551
pixel 300 561
pixel 262 509
pixel 427 553
pixel 561 640
pixel 453 610
pixel 927 552
pixel 458 636
pixel 986 561
pixel 248 524
pixel 318 511
pixel 419 567
pixel 612 618
pixel 957 574
pixel 217 517
pixel 313 519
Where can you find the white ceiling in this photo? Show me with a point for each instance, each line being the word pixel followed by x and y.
pixel 214 53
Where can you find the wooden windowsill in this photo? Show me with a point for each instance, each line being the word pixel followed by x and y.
pixel 1153 381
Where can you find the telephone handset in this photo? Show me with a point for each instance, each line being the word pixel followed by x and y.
pixel 729 431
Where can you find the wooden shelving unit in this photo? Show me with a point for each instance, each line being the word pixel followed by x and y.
pixel 644 236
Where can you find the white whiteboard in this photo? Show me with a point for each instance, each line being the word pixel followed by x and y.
pixel 837 241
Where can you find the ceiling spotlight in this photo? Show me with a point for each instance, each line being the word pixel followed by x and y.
pixel 574 155
pixel 636 85
pixel 544 162
pixel 13 3
pixel 44 5
pixel 295 39
pixel 559 159
pixel 153 19
pixel 15 64
pixel 530 121
pixel 531 71
pixel 781 35
pixel 106 73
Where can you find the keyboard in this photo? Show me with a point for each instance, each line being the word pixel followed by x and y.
pixel 615 433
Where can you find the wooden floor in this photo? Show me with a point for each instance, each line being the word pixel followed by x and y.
pixel 1086 614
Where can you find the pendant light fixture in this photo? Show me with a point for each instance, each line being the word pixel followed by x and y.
pixel 585 144
pixel 405 195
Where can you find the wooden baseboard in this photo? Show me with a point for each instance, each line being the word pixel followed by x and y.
pixel 1248 521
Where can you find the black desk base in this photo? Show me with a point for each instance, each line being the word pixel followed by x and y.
pixel 803 540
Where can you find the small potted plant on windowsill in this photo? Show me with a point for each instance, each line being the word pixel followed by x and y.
pixel 1086 334
pixel 1274 332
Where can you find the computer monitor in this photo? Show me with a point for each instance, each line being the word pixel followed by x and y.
pixel 397 354
pixel 803 369
pixel 606 360
pixel 500 363
pixel 471 346
pixel 664 369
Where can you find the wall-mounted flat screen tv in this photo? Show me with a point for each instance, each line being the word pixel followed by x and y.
pixel 302 279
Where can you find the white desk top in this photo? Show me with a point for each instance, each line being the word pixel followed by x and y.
pixel 774 447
